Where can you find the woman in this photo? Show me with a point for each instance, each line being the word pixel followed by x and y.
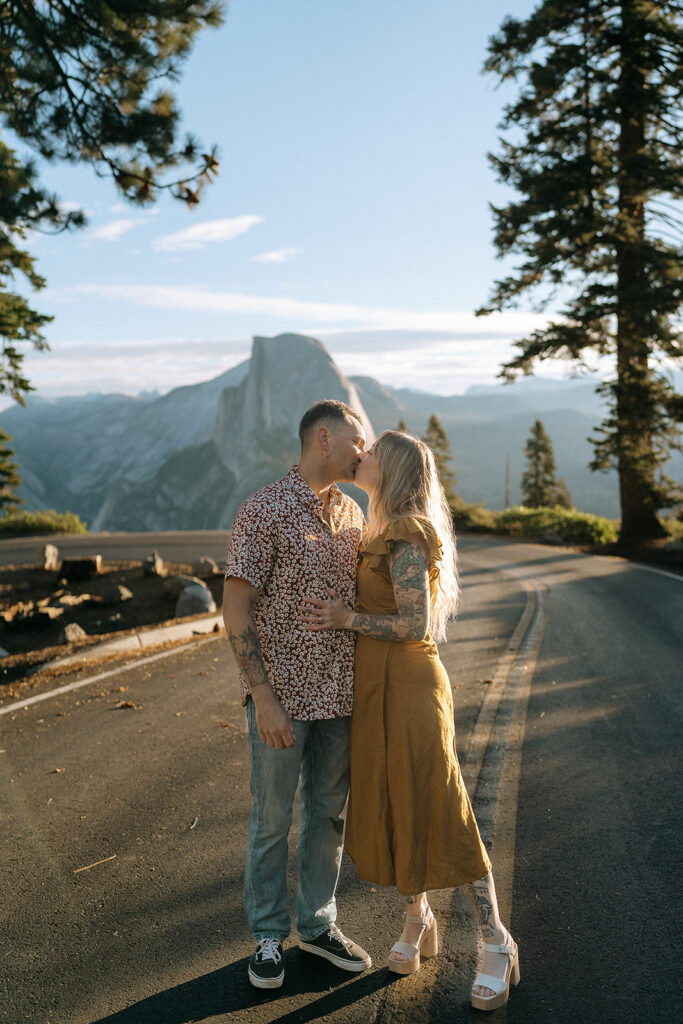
pixel 410 822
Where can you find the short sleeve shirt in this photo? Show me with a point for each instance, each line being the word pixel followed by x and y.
pixel 281 544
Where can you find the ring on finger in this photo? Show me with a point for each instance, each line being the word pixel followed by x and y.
pixel 320 620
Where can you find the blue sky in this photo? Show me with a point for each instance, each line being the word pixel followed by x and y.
pixel 351 205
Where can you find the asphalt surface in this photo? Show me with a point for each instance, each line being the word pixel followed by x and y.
pixel 185 546
pixel 158 793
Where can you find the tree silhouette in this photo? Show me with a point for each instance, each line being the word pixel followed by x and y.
pixel 540 487
pixel 81 82
pixel 9 476
pixel 437 439
pixel 595 155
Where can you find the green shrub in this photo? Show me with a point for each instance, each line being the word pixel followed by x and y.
pixel 572 526
pixel 673 527
pixel 43 521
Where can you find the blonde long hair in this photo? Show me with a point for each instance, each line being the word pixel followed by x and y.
pixel 409 485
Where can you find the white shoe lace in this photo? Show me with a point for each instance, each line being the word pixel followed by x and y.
pixel 336 933
pixel 268 950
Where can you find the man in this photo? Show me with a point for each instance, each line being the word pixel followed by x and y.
pixel 291 539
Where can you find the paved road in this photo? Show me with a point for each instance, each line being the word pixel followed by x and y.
pixel 176 546
pixel 158 934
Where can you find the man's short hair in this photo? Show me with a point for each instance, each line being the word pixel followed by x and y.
pixel 328 410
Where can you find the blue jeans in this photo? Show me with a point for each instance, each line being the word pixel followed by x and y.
pixel 320 758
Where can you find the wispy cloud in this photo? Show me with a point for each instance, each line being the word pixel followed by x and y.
pixel 276 256
pixel 114 230
pixel 296 311
pixel 206 233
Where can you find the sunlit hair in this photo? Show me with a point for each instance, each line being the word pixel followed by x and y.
pixel 409 485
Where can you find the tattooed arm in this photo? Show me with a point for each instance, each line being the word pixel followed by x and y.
pixel 410 579
pixel 274 724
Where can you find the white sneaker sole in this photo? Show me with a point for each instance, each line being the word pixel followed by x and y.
pixel 345 965
pixel 266 982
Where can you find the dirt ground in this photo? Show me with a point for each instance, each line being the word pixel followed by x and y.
pixel 34 642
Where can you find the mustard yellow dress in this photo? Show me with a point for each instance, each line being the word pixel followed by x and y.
pixel 410 822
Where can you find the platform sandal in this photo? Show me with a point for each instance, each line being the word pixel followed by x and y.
pixel 500 986
pixel 427 945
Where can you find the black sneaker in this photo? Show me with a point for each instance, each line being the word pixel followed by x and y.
pixel 339 950
pixel 265 964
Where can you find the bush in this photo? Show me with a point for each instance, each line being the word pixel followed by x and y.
pixel 572 526
pixel 43 521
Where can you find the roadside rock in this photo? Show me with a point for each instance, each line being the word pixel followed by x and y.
pixel 205 567
pixel 116 595
pixel 75 569
pixel 552 537
pixel 174 585
pixel 153 565
pixel 47 557
pixel 194 600
pixel 71 632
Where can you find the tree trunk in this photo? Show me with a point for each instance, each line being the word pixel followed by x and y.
pixel 634 408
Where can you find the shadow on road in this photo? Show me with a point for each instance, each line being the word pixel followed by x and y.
pixel 227 991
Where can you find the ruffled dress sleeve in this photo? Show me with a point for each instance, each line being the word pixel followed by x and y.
pixel 376 551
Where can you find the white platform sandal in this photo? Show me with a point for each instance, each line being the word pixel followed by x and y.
pixel 427 945
pixel 500 986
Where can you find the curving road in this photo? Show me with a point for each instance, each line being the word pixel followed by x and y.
pixel 567 673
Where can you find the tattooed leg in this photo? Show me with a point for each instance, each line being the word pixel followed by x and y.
pixel 482 896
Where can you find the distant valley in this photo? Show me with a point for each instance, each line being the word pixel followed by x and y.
pixel 187 459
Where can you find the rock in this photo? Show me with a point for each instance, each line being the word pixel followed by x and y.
pixel 153 565
pixel 116 594
pixel 174 585
pixel 47 557
pixel 75 569
pixel 205 567
pixel 194 600
pixel 552 537
pixel 71 632
pixel 48 614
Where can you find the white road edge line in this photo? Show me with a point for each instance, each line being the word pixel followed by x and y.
pixel 101 675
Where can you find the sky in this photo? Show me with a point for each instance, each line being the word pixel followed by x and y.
pixel 351 205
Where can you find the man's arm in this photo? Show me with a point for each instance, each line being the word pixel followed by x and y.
pixel 274 724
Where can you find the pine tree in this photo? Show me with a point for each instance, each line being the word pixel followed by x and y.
pixel 80 82
pixel 539 486
pixel 562 497
pixel 9 477
pixel 401 426
pixel 596 156
pixel 437 439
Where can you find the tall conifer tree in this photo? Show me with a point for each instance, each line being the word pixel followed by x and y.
pixel 81 81
pixel 437 439
pixel 540 486
pixel 595 153
pixel 9 475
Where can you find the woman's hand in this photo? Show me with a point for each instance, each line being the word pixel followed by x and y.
pixel 332 614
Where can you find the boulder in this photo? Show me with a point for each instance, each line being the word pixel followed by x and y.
pixel 71 632
pixel 552 537
pixel 194 600
pixel 153 565
pixel 174 585
pixel 47 557
pixel 76 569
pixel 205 567
pixel 116 594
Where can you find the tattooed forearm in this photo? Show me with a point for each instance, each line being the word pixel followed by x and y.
pixel 410 579
pixel 247 651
